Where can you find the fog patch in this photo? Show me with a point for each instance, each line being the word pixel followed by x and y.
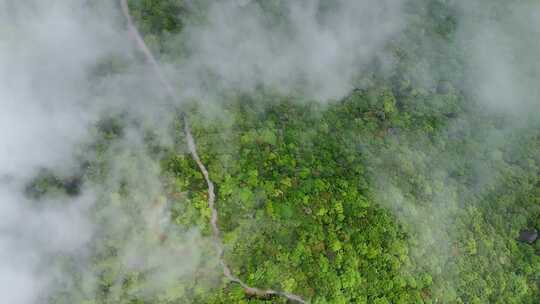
pixel 50 99
pixel 307 47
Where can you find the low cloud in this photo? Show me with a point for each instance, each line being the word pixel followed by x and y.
pixel 309 47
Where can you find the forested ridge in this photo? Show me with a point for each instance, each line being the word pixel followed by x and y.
pixel 402 191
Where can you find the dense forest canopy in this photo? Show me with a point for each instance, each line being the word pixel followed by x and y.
pixel 361 151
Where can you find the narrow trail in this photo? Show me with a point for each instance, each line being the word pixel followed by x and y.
pixel 192 147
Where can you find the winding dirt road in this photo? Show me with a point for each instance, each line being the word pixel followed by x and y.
pixel 192 147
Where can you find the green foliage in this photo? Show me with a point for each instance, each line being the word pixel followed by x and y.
pixel 405 191
pixel 158 17
pixel 47 185
pixel 303 212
